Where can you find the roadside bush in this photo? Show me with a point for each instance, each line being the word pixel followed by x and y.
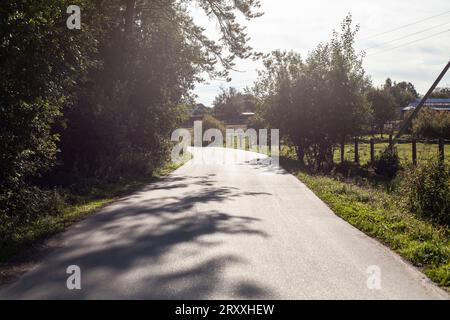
pixel 23 206
pixel 432 124
pixel 422 253
pixel 257 123
pixel 426 190
pixel 209 122
pixel 387 164
pixel 440 274
pixel 349 169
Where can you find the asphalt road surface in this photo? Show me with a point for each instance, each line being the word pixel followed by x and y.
pixel 234 229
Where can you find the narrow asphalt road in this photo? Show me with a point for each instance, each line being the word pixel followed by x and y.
pixel 234 230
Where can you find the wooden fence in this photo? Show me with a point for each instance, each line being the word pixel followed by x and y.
pixel 412 153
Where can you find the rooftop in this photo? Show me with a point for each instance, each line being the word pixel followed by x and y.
pixel 438 104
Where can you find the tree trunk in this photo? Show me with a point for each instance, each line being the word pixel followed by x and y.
pixel 126 38
pixel 129 16
pixel 300 154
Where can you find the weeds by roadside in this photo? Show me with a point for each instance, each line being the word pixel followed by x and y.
pixel 376 208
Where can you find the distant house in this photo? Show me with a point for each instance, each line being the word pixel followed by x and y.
pixel 240 119
pixel 433 103
pixel 437 104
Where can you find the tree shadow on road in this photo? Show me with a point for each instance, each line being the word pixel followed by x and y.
pixel 151 237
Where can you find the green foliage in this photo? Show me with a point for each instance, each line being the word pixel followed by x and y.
pixel 198 110
pixel 426 190
pixel 230 104
pixel 209 122
pixel 387 163
pixel 102 101
pixel 318 101
pixel 257 122
pixel 124 115
pixel 441 93
pixel 432 124
pixel 402 93
pixel 40 64
pixel 440 274
pixel 383 109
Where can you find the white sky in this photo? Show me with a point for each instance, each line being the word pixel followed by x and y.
pixel 300 25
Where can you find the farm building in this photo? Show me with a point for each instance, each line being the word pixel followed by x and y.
pixel 433 103
pixel 437 104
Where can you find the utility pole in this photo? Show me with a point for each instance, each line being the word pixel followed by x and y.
pixel 407 122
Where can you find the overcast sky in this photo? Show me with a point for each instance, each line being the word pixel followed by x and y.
pixel 300 25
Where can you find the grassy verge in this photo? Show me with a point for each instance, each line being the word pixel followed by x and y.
pixel 76 207
pixel 375 209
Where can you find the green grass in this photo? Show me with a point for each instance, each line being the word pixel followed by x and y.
pixel 377 211
pixel 75 207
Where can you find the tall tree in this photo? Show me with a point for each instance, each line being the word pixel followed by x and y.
pixel 317 102
pixel 403 94
pixel 124 116
pixel 383 108
pixel 41 62
pixel 442 93
pixel 230 104
pixel 111 91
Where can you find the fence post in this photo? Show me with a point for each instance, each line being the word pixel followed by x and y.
pixel 414 151
pixel 343 150
pixel 441 150
pixel 390 139
pixel 372 150
pixel 356 150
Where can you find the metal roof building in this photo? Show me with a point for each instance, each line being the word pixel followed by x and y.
pixel 433 103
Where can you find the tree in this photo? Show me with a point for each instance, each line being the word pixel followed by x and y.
pixel 41 63
pixel 403 94
pixel 209 122
pixel 107 96
pixel 317 102
pixel 230 104
pixel 199 110
pixel 442 93
pixel 383 108
pixel 432 124
pixel 151 59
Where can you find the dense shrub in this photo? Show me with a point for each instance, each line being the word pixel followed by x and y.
pixel 426 190
pixel 209 122
pixel 432 124
pixel 257 122
pixel 22 207
pixel 40 67
pixel 387 164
